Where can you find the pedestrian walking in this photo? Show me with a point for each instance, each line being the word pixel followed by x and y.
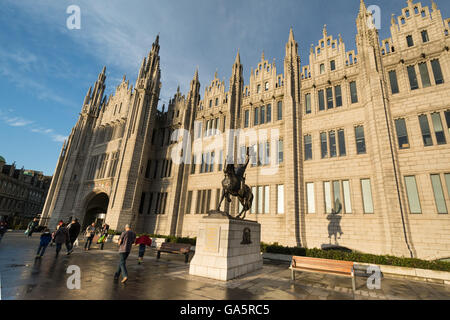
pixel 3 228
pixel 103 236
pixel 46 238
pixel 74 229
pixel 60 223
pixel 143 241
pixel 61 236
pixel 126 241
pixel 90 233
pixel 31 227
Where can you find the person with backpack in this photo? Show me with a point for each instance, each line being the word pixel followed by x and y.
pixel 46 238
pixel 143 241
pixel 103 236
pixel 74 229
pixel 60 237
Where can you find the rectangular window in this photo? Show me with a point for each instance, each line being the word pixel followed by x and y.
pixel 208 201
pixel 360 140
pixel 341 141
pixel 333 147
pixel 220 161
pixel 256 117
pixel 413 195
pixel 158 201
pixel 438 128
pixel 322 68
pixel 308 148
pixel 280 110
pixel 338 96
pixel 402 134
pixel 436 66
pixel 323 145
pixel 189 202
pixel 193 165
pixel 353 92
pixel 426 133
pixel 447 119
pixel 321 100
pixel 337 197
pixel 447 182
pixel 253 209
pixel 263 115
pixel 412 78
pixel 410 41
pixel 199 202
pixel 150 203
pixel 260 200
pixel 394 82
pixel 269 113
pixel 367 196
pixel 347 199
pixel 332 65
pixel 246 119
pixel 280 152
pixel 425 37
pixel 438 194
pixel 141 205
pixel 308 103
pixel 327 193
pixel 266 199
pixel 330 103
pixel 424 75
pixel 147 169
pixel 280 199
pixel 310 198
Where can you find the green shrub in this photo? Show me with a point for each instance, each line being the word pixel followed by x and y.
pixel 357 257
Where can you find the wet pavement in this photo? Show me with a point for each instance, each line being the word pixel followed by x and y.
pixel 23 277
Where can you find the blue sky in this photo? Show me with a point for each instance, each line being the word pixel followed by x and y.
pixel 46 69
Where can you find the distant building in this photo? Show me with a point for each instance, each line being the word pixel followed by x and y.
pixel 352 147
pixel 22 193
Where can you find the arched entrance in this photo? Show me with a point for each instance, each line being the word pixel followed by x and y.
pixel 96 209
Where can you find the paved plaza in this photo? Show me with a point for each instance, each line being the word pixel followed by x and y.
pixel 23 277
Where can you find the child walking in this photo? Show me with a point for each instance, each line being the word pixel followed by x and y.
pixel 142 241
pixel 46 238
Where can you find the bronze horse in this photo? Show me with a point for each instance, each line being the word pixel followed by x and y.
pixel 234 185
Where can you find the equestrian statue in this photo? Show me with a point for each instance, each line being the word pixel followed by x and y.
pixel 234 185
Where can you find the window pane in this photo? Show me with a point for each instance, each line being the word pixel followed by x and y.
pixel 330 98
pixel 280 199
pixel 323 145
pixel 409 40
pixel 333 65
pixel 337 197
pixel 347 199
pixel 188 203
pixel 394 82
pixel 342 148
pixel 367 196
pixel 263 115
pixel 333 151
pixel 447 182
pixel 280 152
pixel 426 133
pixel 338 96
pixel 308 148
pixel 321 100
pixel 280 110
pixel 327 192
pixel 247 117
pixel 437 71
pixel 253 209
pixel 269 113
pixel 308 103
pixel 438 194
pixel 424 75
pixel 425 36
pixel 438 129
pixel 360 140
pixel 266 199
pixel 402 134
pixel 412 78
pixel 353 92
pixel 260 199
pixel 311 198
pixel 413 195
pixel 447 119
pixel 256 114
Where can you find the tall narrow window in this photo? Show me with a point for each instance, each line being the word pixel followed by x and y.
pixel 220 166
pixel 260 200
pixel 310 198
pixel 246 118
pixel 280 199
pixel 332 65
pixel 367 196
pixel 393 81
pixel 189 202
pixel 141 205
pixel 353 92
pixel 337 197
pixel 330 103
pixel 266 199
pixel 321 100
pixel 256 117
pixel 425 37
pixel 269 113
pixel 308 103
pixel 279 110
pixel 338 96
pixel 402 134
pixel 253 208
pixel 424 75
pixel 327 193
pixel 447 119
pixel 308 147
pixel 341 141
pixel 322 68
pixel 410 41
pixel 263 115
pixel 438 194
pixel 150 203
pixel 438 129
pixel 412 78
pixel 413 195
pixel 447 182
pixel 360 140
pixel 425 128
pixel 437 71
pixel 323 145
pixel 333 147
pixel 193 164
pixel 280 152
pixel 347 199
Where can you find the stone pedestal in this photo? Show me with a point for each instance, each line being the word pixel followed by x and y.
pixel 226 248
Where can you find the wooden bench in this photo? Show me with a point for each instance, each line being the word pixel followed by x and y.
pixel 339 268
pixel 177 248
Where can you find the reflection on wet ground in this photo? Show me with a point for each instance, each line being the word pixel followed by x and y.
pixel 23 277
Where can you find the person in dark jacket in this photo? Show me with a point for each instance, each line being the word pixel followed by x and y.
pixel 31 226
pixel 3 228
pixel 126 241
pixel 46 238
pixel 61 236
pixel 143 241
pixel 74 229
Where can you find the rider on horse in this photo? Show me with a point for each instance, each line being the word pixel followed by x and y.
pixel 239 171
